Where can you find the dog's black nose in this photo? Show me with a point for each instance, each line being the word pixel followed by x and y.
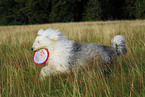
pixel 32 49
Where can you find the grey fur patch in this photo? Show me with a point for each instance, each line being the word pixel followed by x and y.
pixel 88 51
pixel 76 47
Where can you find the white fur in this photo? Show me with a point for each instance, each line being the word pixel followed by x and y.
pixel 59 48
pixel 119 40
pixel 119 44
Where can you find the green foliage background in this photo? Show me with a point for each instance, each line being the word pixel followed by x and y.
pixel 48 11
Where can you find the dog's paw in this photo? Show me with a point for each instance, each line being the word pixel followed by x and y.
pixel 42 78
pixel 43 74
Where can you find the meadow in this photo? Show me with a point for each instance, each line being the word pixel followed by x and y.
pixel 19 76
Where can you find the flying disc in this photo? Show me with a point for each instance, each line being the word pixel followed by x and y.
pixel 41 56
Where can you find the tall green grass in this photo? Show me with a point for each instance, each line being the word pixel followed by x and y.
pixel 20 76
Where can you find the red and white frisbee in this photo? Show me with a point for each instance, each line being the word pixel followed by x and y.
pixel 41 56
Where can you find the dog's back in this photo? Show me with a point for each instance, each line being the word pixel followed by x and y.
pixel 88 51
pixel 83 52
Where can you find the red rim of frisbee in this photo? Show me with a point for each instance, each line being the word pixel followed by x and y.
pixel 44 61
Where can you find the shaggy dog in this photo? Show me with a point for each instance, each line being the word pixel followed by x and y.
pixel 66 53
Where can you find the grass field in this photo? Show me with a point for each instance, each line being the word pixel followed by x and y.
pixel 19 76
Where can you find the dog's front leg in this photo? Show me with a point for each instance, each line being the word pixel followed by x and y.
pixel 45 71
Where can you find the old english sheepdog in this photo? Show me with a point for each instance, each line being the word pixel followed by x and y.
pixel 66 53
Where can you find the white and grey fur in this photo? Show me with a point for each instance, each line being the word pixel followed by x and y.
pixel 65 53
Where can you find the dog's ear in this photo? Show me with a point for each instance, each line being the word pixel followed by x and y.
pixel 55 35
pixel 40 32
pixel 54 38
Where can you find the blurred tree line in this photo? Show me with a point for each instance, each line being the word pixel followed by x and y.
pixel 49 11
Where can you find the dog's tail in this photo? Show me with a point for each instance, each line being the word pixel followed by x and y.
pixel 119 44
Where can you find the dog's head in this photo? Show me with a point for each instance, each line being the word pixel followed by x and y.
pixel 47 38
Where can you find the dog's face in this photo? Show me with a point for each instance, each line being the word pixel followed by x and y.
pixel 39 43
pixel 47 38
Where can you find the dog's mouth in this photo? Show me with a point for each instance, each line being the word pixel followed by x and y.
pixel 35 50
